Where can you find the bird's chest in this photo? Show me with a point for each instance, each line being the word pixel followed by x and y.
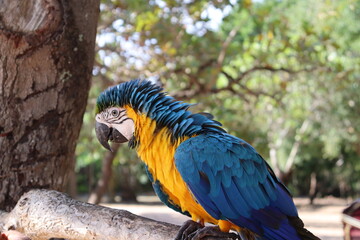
pixel 159 158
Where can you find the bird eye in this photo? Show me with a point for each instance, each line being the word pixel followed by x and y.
pixel 115 112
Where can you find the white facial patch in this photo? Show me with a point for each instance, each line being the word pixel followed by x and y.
pixel 126 128
pixel 115 117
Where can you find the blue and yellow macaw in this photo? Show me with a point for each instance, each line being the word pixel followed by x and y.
pixel 196 168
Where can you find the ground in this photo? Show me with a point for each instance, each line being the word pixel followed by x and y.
pixel 323 218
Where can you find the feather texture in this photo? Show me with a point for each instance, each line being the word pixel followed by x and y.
pixel 197 169
pixel 232 181
pixel 147 98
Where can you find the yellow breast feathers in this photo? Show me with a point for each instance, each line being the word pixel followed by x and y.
pixel 157 151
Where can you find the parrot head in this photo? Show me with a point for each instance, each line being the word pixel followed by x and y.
pixel 113 124
pixel 112 120
pixel 119 108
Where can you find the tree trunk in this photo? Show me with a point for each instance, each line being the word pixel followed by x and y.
pixel 44 214
pixel 313 187
pixel 106 174
pixel 46 58
pixel 285 177
pixel 71 187
pixel 128 184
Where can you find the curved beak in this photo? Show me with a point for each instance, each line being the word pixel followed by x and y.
pixel 103 134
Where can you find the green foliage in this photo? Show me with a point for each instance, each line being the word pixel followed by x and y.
pixel 283 75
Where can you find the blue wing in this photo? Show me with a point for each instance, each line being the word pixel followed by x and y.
pixel 233 182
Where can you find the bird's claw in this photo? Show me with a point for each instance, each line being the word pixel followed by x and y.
pixel 187 229
pixel 212 233
pixel 191 230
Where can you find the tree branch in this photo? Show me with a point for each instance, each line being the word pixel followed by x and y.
pixel 221 57
pixel 295 148
pixel 242 75
pixel 44 214
pixel 225 45
pixel 195 88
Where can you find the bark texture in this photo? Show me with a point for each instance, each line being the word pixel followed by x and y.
pixel 44 214
pixel 46 58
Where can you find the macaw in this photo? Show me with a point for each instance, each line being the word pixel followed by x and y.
pixel 196 167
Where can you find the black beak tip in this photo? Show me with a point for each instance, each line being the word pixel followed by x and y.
pixel 102 134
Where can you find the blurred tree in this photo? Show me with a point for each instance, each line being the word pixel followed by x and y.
pixel 283 75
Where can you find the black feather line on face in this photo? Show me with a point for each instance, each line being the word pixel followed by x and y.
pixel 133 143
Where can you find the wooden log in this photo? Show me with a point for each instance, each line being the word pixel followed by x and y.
pixel 44 214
